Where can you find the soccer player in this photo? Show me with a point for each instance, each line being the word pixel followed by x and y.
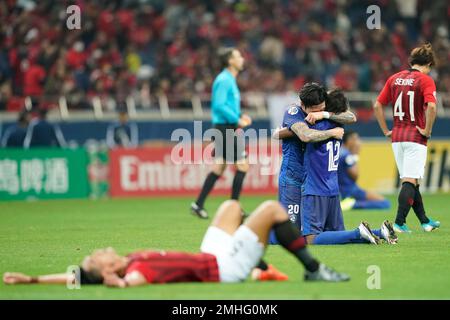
pixel 226 117
pixel 229 252
pixel 413 95
pixel 321 218
pixel 296 133
pixel 321 214
pixel 353 196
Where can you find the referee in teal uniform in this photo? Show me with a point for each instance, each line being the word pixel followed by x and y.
pixel 226 116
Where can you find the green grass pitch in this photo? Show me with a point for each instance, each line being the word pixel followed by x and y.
pixel 47 236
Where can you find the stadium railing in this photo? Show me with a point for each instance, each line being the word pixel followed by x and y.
pixel 197 106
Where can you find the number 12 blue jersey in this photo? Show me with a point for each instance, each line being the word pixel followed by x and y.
pixel 321 164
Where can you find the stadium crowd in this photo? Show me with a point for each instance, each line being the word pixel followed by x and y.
pixel 147 47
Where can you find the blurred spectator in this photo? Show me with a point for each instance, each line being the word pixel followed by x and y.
pixel 169 46
pixel 272 50
pixel 122 133
pixel 34 78
pixel 14 136
pixel 41 133
pixel 345 78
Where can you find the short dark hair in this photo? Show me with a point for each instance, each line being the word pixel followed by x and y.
pixel 312 94
pixel 336 101
pixel 225 55
pixel 90 277
pixel 423 55
pixel 347 135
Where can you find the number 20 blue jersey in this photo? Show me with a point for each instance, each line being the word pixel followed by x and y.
pixel 321 164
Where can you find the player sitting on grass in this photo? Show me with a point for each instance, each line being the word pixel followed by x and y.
pixel 352 195
pixel 229 252
pixel 321 215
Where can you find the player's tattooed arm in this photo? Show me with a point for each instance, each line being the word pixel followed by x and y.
pixel 307 134
pixel 346 117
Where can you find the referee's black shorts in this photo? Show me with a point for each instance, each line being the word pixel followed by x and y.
pixel 231 146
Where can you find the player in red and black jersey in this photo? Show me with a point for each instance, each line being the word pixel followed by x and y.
pixel 412 93
pixel 229 252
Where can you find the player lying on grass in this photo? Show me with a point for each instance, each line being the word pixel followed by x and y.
pixel 352 195
pixel 229 252
pixel 321 218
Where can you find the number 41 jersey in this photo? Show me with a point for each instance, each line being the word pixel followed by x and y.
pixel 321 164
pixel 408 91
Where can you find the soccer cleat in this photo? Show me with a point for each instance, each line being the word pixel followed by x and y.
pixel 271 274
pixel 388 233
pixel 367 234
pixel 326 274
pixel 199 212
pixel 401 229
pixel 347 204
pixel 431 225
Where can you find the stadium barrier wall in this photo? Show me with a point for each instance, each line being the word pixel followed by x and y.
pixel 150 172
pixel 79 133
pixel 378 171
pixel 43 174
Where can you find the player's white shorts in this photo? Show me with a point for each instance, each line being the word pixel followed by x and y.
pixel 410 158
pixel 236 254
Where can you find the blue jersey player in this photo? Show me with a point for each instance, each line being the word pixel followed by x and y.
pixel 352 195
pixel 295 134
pixel 321 216
pixel 292 173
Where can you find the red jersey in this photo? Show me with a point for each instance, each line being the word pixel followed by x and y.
pixel 33 81
pixel 408 91
pixel 164 267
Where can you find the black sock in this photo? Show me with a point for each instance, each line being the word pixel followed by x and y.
pixel 291 239
pixel 418 208
pixel 405 201
pixel 237 184
pixel 206 189
pixel 262 265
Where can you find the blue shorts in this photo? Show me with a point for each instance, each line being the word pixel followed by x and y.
pixel 354 192
pixel 290 197
pixel 320 213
